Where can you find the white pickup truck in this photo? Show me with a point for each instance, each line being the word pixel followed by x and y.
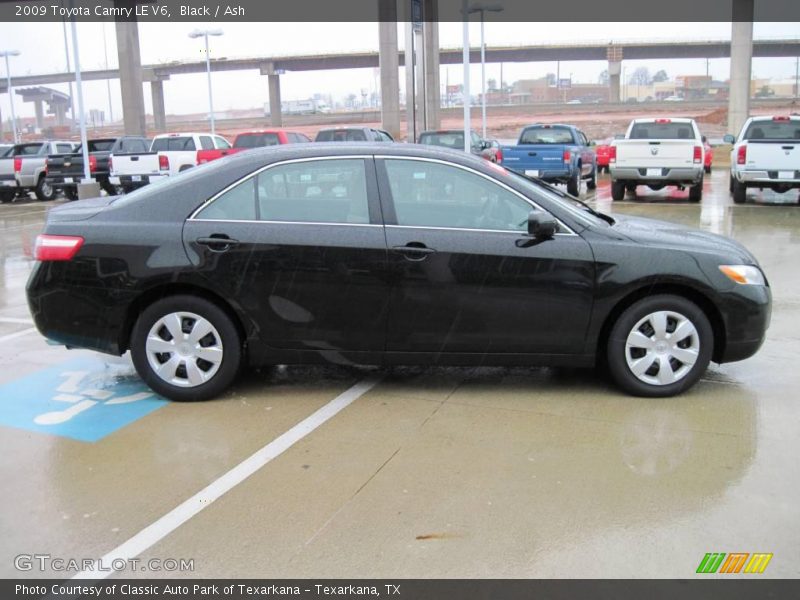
pixel 766 155
pixel 658 153
pixel 169 154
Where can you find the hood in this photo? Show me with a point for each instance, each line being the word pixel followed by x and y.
pixel 79 210
pixel 679 237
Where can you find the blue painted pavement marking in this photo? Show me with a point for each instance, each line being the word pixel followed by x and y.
pixel 84 399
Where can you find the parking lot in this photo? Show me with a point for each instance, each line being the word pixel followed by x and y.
pixel 409 472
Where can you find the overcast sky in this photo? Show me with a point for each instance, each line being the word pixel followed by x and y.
pixel 42 51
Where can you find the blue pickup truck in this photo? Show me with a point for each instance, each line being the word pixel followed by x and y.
pixel 555 154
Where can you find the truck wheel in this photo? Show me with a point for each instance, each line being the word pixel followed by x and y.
pixel 696 192
pixel 617 190
pixel 44 191
pixel 660 346
pixel 730 183
pixel 71 193
pixel 7 196
pixel 591 183
pixel 739 192
pixel 707 169
pixel 108 188
pixel 574 184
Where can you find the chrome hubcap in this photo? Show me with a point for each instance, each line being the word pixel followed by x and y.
pixel 662 348
pixel 184 349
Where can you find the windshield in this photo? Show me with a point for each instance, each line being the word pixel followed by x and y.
pixel 546 135
pixel 662 131
pixel 773 130
pixel 446 139
pixel 256 140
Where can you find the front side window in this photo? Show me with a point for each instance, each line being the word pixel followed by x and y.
pixel 316 191
pixel 221 143
pixel 429 194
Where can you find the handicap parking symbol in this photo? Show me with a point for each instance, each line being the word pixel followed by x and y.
pixel 84 399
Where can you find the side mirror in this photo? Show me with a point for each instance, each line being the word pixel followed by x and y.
pixel 485 145
pixel 703 139
pixel 541 225
pixel 729 139
pixel 592 144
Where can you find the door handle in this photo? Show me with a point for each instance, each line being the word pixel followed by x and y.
pixel 217 243
pixel 414 253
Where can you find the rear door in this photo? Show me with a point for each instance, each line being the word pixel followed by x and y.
pixel 301 248
pixel 465 278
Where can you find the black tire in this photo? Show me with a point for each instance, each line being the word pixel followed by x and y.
pixel 229 340
pixel 7 197
pixel 108 188
pixel 707 169
pixel 617 190
pixel 696 192
pixel 617 351
pixel 44 191
pixel 739 192
pixel 591 183
pixel 730 183
pixel 71 193
pixel 574 184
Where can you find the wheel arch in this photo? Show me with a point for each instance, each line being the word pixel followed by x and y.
pixel 166 290
pixel 676 289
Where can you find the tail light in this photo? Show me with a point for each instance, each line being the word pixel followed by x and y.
pixel 698 154
pixel 499 155
pixel 612 154
pixel 93 163
pixel 741 155
pixel 200 159
pixel 17 164
pixel 57 247
pixel 163 162
pixel 663 120
pixel 567 156
pixel 781 119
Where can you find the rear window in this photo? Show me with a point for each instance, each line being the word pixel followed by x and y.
pixel 256 140
pixel 662 131
pixel 341 135
pixel 773 130
pixel 445 139
pixel 28 149
pixel 546 135
pixel 97 146
pixel 173 143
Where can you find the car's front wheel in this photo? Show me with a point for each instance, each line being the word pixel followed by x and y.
pixel 186 348
pixel 44 191
pixel 660 346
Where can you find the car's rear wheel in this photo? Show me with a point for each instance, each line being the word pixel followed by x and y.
pixel 739 191
pixel 660 346
pixel 7 196
pixel 186 348
pixel 574 184
pixel 591 183
pixel 71 193
pixel 696 192
pixel 617 190
pixel 44 191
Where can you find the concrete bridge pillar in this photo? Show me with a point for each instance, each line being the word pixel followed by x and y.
pixel 614 54
pixel 130 77
pixel 60 111
pixel 38 107
pixel 274 88
pixel 389 67
pixel 741 64
pixel 159 108
pixel 430 39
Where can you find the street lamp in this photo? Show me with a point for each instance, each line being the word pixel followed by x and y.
pixel 6 54
pixel 204 34
pixel 482 8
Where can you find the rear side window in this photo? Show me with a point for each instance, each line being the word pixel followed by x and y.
pixel 173 143
pixel 662 131
pixel 237 204
pixel 256 140
pixel 321 191
pixel 546 135
pixel 773 130
pixel 341 135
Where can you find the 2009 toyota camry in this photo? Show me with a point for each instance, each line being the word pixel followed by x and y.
pixel 387 254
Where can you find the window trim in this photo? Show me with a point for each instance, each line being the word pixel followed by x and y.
pixel 386 189
pixel 256 173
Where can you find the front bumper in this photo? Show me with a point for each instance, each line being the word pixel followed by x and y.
pixel 746 315
pixel 648 175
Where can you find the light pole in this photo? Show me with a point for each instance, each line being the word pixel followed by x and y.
pixel 465 87
pixel 204 34
pixel 6 54
pixel 481 8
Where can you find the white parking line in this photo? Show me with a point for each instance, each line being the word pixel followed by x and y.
pixel 186 510
pixel 16 320
pixel 17 334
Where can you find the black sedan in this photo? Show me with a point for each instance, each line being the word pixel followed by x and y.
pixel 387 254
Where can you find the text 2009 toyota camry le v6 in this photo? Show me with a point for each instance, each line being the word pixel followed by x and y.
pixel 387 254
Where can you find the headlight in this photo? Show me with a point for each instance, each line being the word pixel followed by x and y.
pixel 743 274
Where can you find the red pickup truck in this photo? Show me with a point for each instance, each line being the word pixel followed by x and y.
pixel 253 139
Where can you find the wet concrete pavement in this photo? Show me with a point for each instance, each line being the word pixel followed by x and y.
pixel 432 472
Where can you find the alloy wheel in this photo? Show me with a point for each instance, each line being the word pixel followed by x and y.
pixel 662 348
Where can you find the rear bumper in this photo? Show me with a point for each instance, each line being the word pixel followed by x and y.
pixel 135 180
pixel 667 175
pixel 768 177
pixel 549 174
